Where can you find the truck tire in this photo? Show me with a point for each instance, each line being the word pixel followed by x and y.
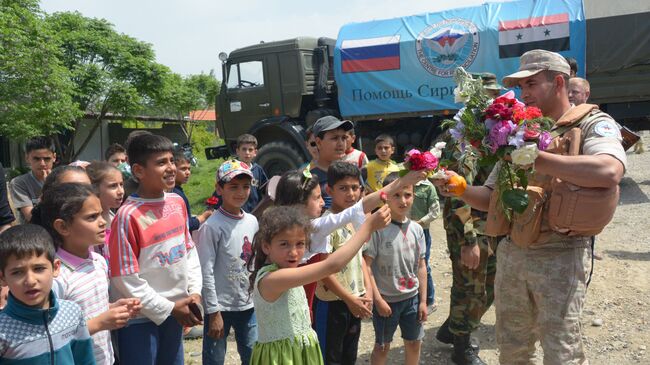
pixel 278 157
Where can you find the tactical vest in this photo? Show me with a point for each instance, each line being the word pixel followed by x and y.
pixel 556 207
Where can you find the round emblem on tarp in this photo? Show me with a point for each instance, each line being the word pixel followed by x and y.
pixel 446 45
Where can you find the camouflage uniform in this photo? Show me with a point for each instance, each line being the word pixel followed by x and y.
pixel 472 291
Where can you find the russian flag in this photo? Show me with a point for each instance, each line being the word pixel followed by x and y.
pixel 370 54
pixel 548 32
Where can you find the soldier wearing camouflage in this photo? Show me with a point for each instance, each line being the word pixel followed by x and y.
pixel 472 291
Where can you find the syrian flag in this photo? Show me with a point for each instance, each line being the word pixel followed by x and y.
pixel 548 32
pixel 370 54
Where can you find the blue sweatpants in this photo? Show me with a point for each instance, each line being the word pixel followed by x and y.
pixel 147 344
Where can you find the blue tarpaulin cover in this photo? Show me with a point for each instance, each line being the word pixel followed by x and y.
pixel 406 65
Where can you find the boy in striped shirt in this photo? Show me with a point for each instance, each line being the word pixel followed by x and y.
pixel 152 257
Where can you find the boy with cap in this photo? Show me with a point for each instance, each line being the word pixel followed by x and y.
pixel 331 138
pixel 540 291
pixel 225 245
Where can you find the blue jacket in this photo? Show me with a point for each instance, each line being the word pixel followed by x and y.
pixel 192 221
pixel 57 335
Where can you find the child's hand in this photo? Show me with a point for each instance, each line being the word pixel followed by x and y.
pixel 205 215
pixel 133 305
pixel 114 318
pixel 379 219
pixel 422 312
pixel 215 326
pixel 358 306
pixel 383 308
pixel 183 314
pixel 413 177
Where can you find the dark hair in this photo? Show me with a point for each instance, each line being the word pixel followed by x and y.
pixel 97 171
pixel 63 201
pixel 275 220
pixel 25 240
pixel 339 170
pixel 179 155
pixel 246 139
pixel 134 134
pixel 113 149
pixel 53 179
pixel 393 176
pixel 294 188
pixel 39 143
pixel 141 147
pixel 385 138
pixel 573 64
pixel 550 76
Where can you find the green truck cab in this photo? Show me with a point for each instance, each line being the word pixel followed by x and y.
pixel 274 91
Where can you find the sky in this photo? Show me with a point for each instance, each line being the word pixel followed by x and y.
pixel 187 35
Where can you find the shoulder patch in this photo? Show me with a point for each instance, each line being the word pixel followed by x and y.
pixel 606 129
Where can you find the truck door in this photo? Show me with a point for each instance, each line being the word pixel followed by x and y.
pixel 247 97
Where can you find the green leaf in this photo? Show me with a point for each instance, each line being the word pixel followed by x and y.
pixel 515 199
pixel 403 173
pixel 522 175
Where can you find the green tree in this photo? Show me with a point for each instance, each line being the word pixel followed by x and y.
pixel 35 88
pixel 111 72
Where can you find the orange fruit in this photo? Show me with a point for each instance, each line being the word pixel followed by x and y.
pixel 459 185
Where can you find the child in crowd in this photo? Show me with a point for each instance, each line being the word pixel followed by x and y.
pixel 37 328
pixel 285 333
pixel 353 155
pixel 183 173
pixel 130 181
pixel 344 298
pixel 108 182
pixel 310 143
pixel 71 213
pixel 378 169
pixel 115 154
pixel 63 175
pixel 25 189
pixel 225 245
pixel 395 256
pixel 331 136
pixel 246 152
pixel 152 257
pixel 300 188
pixel 426 208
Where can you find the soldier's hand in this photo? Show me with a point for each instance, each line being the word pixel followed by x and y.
pixel 470 256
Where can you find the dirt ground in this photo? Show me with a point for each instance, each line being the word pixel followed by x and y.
pixel 618 298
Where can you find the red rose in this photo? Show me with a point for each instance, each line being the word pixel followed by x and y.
pixel 421 160
pixel 530 134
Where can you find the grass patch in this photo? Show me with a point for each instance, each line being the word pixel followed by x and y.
pixel 201 184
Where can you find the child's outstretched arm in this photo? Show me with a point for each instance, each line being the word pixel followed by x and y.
pixel 273 285
pixel 372 200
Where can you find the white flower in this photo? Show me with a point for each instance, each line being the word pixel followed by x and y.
pixel 460 96
pixel 437 149
pixel 525 155
pixel 440 174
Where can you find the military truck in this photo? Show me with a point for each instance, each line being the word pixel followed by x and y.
pixel 395 76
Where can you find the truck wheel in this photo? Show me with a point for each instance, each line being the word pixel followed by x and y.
pixel 278 157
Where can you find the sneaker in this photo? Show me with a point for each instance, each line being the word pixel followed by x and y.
pixel 194 332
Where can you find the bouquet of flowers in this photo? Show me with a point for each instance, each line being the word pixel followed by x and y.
pixel 417 160
pixel 496 129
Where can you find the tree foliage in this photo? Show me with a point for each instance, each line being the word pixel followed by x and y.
pixel 35 87
pixel 56 70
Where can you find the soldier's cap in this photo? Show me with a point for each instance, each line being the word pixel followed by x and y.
pixel 231 169
pixel 330 123
pixel 489 80
pixel 536 61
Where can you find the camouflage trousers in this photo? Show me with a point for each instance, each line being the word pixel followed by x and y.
pixel 539 296
pixel 472 291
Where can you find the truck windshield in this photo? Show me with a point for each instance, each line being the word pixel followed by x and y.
pixel 245 74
